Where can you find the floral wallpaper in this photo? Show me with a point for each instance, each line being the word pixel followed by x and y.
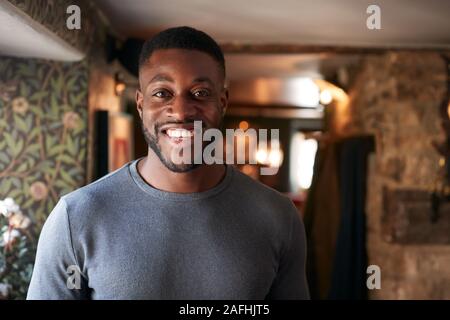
pixel 43 116
pixel 43 142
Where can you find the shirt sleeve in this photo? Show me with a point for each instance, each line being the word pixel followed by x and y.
pixel 56 274
pixel 290 282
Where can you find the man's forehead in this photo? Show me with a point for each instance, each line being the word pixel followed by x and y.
pixel 185 57
pixel 170 64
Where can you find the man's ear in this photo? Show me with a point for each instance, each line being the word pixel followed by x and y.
pixel 139 102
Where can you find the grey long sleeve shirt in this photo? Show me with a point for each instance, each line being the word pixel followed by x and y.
pixel 120 238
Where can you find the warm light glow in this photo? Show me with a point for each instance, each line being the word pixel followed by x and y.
pixel 275 158
pixel 326 97
pixel 303 153
pixel 341 102
pixel 120 87
pixel 261 156
pixel 337 93
pixel 304 92
pixel 247 169
pixel 448 110
pixel 307 154
pixel 243 125
pixel 270 157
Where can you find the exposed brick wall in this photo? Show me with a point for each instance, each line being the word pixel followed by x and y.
pixel 396 97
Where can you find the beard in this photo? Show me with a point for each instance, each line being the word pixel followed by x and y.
pixel 153 143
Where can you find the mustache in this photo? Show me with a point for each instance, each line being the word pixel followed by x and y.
pixel 157 126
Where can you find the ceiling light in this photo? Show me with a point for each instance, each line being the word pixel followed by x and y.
pixel 325 97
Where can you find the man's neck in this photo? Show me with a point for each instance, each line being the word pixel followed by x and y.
pixel 202 178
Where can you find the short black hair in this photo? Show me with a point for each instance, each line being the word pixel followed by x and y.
pixel 182 38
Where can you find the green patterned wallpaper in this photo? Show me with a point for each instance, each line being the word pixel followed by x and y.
pixel 43 132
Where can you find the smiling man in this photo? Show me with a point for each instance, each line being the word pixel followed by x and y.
pixel 160 229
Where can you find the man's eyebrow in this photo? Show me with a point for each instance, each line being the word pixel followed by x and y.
pixel 164 77
pixel 161 77
pixel 204 79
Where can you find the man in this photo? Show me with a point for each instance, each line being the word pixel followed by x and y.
pixel 160 229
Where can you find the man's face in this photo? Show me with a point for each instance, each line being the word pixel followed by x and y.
pixel 178 87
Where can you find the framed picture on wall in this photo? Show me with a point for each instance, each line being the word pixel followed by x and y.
pixel 120 140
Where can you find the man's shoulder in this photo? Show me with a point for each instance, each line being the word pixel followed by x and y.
pixel 271 208
pixel 263 197
pixel 251 186
pixel 107 186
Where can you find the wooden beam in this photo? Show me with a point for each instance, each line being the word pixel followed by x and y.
pixel 247 48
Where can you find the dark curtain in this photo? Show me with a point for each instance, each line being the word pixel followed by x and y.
pixel 350 260
pixel 322 216
pixel 335 220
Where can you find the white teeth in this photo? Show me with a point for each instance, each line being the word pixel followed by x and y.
pixel 174 133
pixel 179 133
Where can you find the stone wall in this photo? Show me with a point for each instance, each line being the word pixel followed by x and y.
pixel 397 97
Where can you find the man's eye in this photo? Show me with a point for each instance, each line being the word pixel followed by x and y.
pixel 161 94
pixel 201 93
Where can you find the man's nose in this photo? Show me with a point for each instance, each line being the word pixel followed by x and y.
pixel 182 108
